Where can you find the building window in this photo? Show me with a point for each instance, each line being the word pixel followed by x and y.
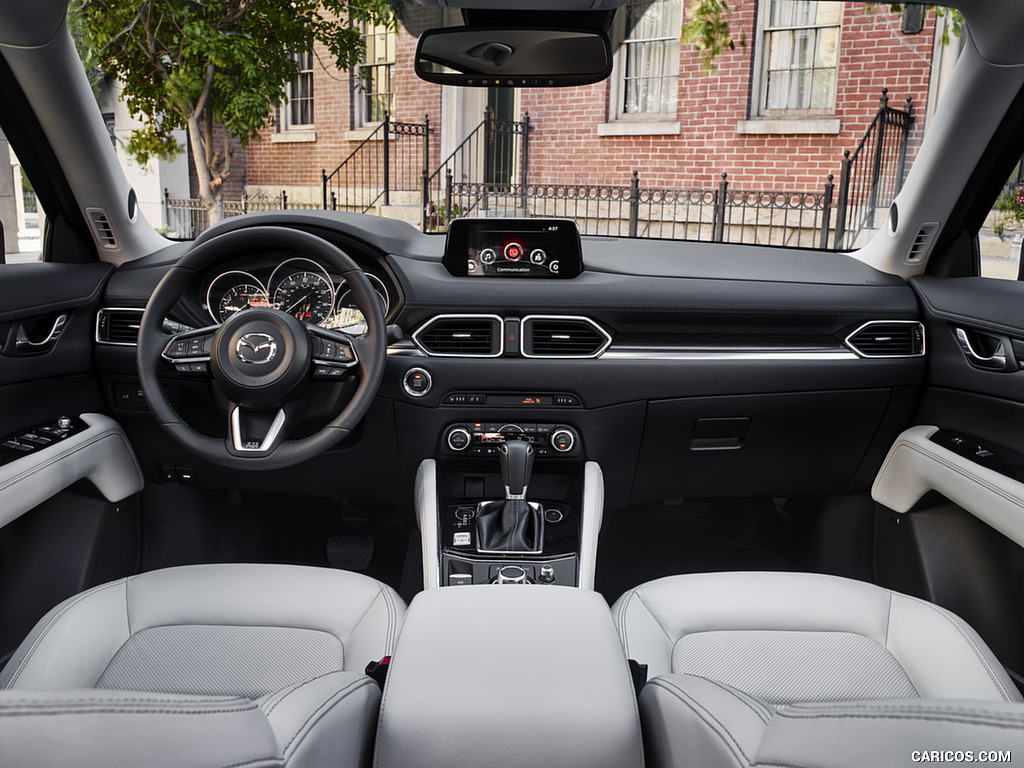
pixel 374 86
pixel 799 57
pixel 646 82
pixel 298 112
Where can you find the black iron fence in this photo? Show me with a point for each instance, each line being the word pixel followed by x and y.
pixel 187 218
pixel 713 214
pixel 873 174
pixel 393 158
pixel 495 153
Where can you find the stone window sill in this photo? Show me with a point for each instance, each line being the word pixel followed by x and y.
pixel 788 126
pixel 293 136
pixel 638 128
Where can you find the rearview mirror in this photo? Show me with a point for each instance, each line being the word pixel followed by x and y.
pixel 515 58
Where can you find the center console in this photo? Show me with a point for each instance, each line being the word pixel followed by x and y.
pixel 510 502
pixel 533 676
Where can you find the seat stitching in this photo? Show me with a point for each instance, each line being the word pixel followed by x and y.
pixel 49 626
pixel 623 633
pixel 762 712
pixel 226 700
pixel 275 760
pixel 392 632
pixel 1016 724
pixel 694 704
pixel 360 619
pixel 660 625
pixel 284 693
pixel 330 702
pixel 958 625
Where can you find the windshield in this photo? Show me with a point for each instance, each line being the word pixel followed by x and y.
pixel 795 125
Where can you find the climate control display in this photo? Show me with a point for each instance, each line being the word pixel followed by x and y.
pixel 480 438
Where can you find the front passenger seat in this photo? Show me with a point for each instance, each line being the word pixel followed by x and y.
pixel 808 670
pixel 207 665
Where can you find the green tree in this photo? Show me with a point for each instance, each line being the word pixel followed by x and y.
pixel 198 64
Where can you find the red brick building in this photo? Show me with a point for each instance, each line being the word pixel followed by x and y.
pixel 775 114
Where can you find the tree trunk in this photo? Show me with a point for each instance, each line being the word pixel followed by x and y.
pixel 212 199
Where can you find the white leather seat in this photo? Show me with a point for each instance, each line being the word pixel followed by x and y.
pixel 207 665
pixel 787 668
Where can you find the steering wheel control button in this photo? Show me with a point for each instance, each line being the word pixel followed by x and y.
pixel 417 382
pixel 459 439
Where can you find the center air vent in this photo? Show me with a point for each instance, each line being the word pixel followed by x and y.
pixel 460 336
pixel 561 336
pixel 888 338
pixel 118 326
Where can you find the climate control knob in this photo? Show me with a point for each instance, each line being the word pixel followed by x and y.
pixel 459 439
pixel 563 439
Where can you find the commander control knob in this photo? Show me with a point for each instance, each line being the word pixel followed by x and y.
pixel 511 574
pixel 459 439
pixel 563 439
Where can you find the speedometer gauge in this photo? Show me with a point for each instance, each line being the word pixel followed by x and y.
pixel 307 296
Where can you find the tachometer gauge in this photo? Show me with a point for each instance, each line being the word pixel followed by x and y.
pixel 347 315
pixel 306 296
pixel 232 292
pixel 241 297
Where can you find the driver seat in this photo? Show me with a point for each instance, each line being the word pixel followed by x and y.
pixel 206 665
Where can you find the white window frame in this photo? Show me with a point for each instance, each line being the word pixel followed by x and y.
pixel 617 95
pixel 362 117
pixel 759 81
pixel 288 120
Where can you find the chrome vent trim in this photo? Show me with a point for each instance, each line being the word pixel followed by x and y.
pixel 562 336
pixel 102 228
pixel 461 336
pixel 922 244
pixel 887 338
pixel 118 326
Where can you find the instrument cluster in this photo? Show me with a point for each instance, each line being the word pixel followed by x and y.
pixel 299 286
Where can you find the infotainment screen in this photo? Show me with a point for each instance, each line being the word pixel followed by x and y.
pixel 532 248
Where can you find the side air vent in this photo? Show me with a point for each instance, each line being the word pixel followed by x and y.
pixel 118 326
pixel 558 336
pixel 102 227
pixel 887 338
pixel 460 336
pixel 923 242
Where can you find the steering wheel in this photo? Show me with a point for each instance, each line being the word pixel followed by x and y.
pixel 263 359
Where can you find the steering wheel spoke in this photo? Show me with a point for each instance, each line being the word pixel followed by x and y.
pixel 334 353
pixel 189 351
pixel 253 432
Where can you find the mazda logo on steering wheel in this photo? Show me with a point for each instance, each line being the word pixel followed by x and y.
pixel 256 348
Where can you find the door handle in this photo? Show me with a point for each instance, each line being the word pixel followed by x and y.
pixel 24 345
pixel 998 360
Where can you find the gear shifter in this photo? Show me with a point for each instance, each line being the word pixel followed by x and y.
pixel 516 459
pixel 514 524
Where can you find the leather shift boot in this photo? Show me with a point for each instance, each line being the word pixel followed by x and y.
pixel 512 525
